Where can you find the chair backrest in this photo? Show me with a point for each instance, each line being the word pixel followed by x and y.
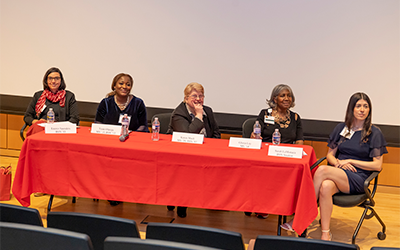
pixel 98 227
pixel 247 127
pixel 283 243
pixel 21 132
pixel 28 237
pixel 164 119
pixel 19 214
pixel 125 243
pixel 203 236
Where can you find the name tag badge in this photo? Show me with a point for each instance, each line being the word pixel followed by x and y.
pixel 269 119
pixel 121 116
pixel 346 133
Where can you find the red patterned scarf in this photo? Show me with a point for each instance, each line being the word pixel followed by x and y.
pixel 59 96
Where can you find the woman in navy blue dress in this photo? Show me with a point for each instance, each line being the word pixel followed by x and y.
pixel 356 148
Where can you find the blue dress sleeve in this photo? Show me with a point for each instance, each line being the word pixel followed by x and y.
pixel 377 143
pixel 102 110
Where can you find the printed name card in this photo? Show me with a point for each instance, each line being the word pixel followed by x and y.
pixel 238 142
pixel 187 137
pixel 105 129
pixel 282 151
pixel 60 128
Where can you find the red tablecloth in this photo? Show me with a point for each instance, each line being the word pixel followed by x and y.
pixel 211 175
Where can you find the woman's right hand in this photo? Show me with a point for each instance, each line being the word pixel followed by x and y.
pixel 199 110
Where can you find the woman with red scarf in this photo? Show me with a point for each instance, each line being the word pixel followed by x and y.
pixel 53 96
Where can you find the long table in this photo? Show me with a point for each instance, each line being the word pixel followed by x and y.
pixel 209 175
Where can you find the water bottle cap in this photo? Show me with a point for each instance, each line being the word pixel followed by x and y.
pixel 50 109
pixel 257 122
pixel 276 130
pixel 155 118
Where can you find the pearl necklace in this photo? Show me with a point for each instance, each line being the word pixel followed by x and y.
pixel 122 106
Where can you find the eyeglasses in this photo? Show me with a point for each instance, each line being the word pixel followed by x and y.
pixel 197 96
pixel 53 78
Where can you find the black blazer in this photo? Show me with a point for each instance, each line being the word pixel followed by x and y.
pixel 181 121
pixel 67 113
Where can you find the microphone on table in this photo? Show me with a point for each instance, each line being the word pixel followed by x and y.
pixel 123 138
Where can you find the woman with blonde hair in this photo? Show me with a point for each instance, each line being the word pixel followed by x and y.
pixel 192 116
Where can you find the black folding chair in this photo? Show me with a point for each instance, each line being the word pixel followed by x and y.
pixel 191 234
pixel 98 227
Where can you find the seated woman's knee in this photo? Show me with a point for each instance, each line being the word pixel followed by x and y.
pixel 327 188
pixel 322 170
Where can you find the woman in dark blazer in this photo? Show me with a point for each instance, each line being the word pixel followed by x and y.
pixel 191 116
pixel 52 96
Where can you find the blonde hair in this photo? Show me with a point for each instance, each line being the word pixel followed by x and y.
pixel 190 87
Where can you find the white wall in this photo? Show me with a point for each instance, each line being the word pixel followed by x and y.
pixel 239 50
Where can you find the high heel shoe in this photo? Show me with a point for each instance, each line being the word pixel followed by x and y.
pixel 330 234
pixel 287 227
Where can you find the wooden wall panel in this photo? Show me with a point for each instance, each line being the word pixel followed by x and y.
pixel 85 124
pixel 393 155
pixel 14 123
pixel 3 131
pixel 227 136
pixel 320 148
pixel 390 175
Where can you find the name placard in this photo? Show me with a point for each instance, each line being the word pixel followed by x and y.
pixel 106 129
pixel 187 138
pixel 238 142
pixel 60 128
pixel 282 151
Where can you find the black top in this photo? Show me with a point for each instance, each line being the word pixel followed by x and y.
pixel 182 121
pixel 67 113
pixel 291 134
pixel 354 148
pixel 108 112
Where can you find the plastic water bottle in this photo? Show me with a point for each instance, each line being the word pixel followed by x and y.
pixel 155 128
pixel 276 137
pixel 257 130
pixel 125 125
pixel 50 116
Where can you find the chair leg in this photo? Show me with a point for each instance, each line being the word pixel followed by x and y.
pixel 280 222
pixel 303 234
pixel 278 231
pixel 379 219
pixel 50 202
pixel 353 239
pixel 381 235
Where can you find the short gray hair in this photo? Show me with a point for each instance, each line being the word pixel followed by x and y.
pixel 276 91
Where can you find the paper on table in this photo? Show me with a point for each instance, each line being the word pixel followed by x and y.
pixel 65 122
